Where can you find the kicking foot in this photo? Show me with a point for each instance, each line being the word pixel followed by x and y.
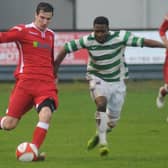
pixel 161 95
pixel 41 157
pixel 93 142
pixel 160 101
pixel 103 150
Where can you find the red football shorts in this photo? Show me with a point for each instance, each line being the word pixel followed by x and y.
pixel 165 70
pixel 29 93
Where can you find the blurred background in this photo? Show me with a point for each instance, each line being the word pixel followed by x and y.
pixel 79 14
pixel 74 18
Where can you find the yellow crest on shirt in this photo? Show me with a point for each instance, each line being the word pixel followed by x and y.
pixel 35 43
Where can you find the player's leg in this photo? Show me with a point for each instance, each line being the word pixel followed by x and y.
pixel 8 122
pixel 101 122
pixel 115 102
pixel 46 105
pixel 42 126
pixel 97 90
pixel 101 119
pixel 19 103
pixel 163 90
pixel 94 141
pixel 160 100
pixel 45 110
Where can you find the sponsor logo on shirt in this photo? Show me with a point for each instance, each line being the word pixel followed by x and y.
pixel 37 44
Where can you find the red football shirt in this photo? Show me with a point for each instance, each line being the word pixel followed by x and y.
pixel 162 32
pixel 163 29
pixel 36 51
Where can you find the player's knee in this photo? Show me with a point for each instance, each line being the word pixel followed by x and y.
pixel 45 114
pixel 10 123
pixel 45 110
pixel 47 103
pixel 101 103
pixel 101 106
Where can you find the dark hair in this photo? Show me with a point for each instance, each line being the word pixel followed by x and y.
pixel 46 7
pixel 101 20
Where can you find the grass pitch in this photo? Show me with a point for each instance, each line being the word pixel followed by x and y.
pixel 139 141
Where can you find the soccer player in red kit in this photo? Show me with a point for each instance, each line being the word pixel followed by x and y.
pixel 35 80
pixel 163 90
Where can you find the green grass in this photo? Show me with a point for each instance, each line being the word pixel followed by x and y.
pixel 139 141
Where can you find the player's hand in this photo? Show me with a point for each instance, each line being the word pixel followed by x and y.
pixel 56 79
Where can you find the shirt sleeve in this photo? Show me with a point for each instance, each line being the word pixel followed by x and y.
pixel 130 39
pixel 14 34
pixel 163 28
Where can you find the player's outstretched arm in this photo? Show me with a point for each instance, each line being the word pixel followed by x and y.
pixel 59 58
pixel 163 29
pixel 153 43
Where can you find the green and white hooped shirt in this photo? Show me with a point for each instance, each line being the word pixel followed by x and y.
pixel 106 60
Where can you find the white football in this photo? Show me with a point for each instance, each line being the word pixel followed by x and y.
pixel 26 152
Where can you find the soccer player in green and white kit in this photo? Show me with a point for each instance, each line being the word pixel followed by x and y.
pixel 106 71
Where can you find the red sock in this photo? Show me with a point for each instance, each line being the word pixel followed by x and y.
pixel 39 136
